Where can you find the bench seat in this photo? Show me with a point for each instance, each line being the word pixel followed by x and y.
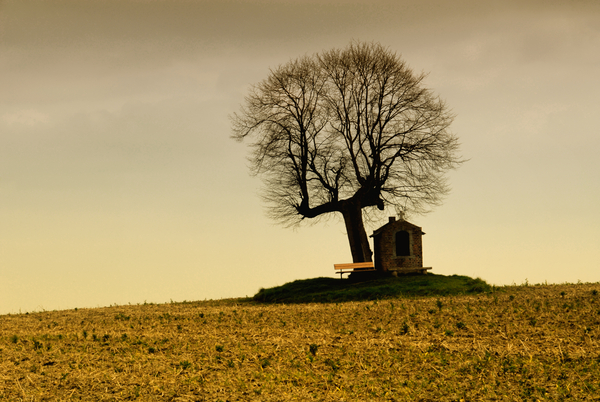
pixel 353 267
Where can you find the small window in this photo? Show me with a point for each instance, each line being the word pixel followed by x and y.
pixel 402 243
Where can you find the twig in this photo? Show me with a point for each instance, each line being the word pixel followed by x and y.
pixel 22 390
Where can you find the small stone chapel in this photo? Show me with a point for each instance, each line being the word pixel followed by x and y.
pixel 398 247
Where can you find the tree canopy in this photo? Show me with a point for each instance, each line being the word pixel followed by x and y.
pixel 348 130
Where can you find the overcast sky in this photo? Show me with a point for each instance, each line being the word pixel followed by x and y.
pixel 119 182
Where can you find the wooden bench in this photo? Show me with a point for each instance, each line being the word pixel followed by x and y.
pixel 353 267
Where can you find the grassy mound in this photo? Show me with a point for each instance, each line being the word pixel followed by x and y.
pixel 323 290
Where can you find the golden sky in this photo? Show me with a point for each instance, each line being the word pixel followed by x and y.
pixel 119 182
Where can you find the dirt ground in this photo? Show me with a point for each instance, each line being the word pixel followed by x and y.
pixel 518 343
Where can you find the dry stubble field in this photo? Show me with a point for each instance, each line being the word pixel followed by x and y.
pixel 518 343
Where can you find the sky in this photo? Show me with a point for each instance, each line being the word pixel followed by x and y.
pixel 119 182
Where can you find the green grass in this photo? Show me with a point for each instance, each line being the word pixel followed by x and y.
pixel 327 290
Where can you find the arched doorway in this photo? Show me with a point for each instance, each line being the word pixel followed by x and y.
pixel 402 243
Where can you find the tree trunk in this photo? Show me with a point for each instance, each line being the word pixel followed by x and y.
pixel 357 236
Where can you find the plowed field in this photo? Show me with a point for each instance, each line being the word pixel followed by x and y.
pixel 518 343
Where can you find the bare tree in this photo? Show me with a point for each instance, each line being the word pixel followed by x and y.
pixel 350 131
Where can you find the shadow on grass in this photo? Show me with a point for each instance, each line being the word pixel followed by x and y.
pixel 327 290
